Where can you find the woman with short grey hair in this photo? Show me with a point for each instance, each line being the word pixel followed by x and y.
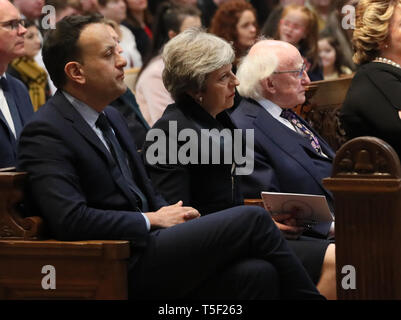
pixel 198 76
pixel 192 56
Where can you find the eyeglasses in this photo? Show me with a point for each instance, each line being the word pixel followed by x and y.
pixel 299 73
pixel 13 24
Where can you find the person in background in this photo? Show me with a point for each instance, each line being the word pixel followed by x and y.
pixel 332 58
pixel 322 8
pixel 269 29
pixel 235 21
pixel 298 26
pixel 30 9
pixel 27 70
pixel 372 105
pixel 15 104
pixel 116 10
pixel 343 32
pixel 152 96
pixel 89 6
pixel 139 21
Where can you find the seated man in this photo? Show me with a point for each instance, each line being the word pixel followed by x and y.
pixel 88 182
pixel 289 155
pixel 15 104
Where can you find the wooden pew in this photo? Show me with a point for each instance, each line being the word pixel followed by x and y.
pixel 82 269
pixel 366 183
pixel 322 106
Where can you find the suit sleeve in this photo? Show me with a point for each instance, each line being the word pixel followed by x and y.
pixel 55 188
pixel 263 178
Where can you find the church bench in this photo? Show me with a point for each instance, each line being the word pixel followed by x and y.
pixel 366 184
pixel 32 267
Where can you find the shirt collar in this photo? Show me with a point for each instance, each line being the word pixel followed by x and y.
pixel 90 115
pixel 270 107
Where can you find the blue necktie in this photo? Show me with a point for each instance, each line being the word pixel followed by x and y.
pixel 292 117
pixel 11 106
pixel 115 148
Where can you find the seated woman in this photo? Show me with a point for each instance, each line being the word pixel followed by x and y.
pixel 28 70
pixel 197 165
pixel 372 105
pixel 139 21
pixel 150 92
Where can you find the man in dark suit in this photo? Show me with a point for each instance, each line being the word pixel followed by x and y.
pixel 88 182
pixel 289 155
pixel 15 104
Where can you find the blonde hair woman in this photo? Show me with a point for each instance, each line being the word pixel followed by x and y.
pixel 372 106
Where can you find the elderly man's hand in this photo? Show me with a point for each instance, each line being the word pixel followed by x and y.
pixel 287 223
pixel 169 216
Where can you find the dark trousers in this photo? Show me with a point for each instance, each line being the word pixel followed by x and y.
pixel 237 253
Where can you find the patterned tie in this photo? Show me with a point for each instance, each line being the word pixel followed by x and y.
pixel 115 148
pixel 11 106
pixel 292 117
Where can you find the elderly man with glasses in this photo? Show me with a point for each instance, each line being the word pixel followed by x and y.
pixel 15 104
pixel 290 157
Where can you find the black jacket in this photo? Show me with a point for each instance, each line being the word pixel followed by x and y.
pixel 207 187
pixel 372 104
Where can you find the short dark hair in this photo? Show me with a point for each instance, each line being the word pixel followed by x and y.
pixel 60 45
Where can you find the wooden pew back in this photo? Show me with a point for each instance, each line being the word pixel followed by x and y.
pixel 321 109
pixel 30 266
pixel 366 183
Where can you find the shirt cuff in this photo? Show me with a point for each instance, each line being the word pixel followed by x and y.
pixel 147 221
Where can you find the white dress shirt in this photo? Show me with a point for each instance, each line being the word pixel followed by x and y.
pixel 5 110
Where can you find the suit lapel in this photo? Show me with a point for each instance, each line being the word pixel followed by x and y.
pixel 287 140
pixel 69 112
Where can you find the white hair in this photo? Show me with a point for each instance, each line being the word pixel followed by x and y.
pixel 252 70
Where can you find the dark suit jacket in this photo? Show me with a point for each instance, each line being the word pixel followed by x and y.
pixel 74 181
pixel 206 187
pixel 284 160
pixel 129 108
pixel 372 104
pixel 8 145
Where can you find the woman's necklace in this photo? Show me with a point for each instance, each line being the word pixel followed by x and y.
pixel 388 61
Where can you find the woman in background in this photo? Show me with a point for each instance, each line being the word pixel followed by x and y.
pixel 332 58
pixel 28 70
pixel 139 21
pixel 298 26
pixel 151 95
pixel 235 21
pixel 372 106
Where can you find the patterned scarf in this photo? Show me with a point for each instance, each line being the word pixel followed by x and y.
pixel 34 77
